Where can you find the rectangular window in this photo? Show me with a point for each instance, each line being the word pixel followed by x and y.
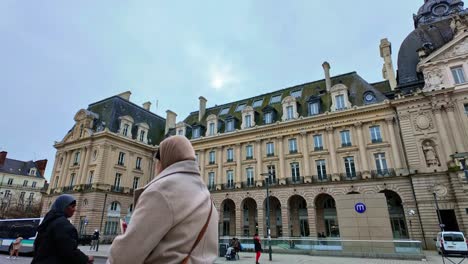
pixel 212 129
pixel 270 149
pixel 34 184
pixel 249 152
pixel 240 107
pixel 31 196
pixel 212 158
pixel 230 155
pixel 142 136
pixel 56 182
pixel 296 93
pixel 180 132
pixel 268 118
pixel 22 194
pixel 196 132
pixel 381 164
pixel 350 168
pixel 292 145
pixel 7 193
pixel 10 181
pixel 230 126
pixel 121 160
pixel 72 179
pixel 376 136
pixel 271 174
pixel 224 111
pixel 91 176
pixel 275 99
pixel 77 158
pixel 250 177
pixel 321 170
pixel 458 75
pixel 314 109
pixel 138 163
pixel 248 121
pixel 289 112
pixel 211 180
pixel 345 138
pixel 136 180
pixel 257 103
pixel 295 174
pixel 25 183
pixel 340 103
pixel 230 179
pixel 118 176
pixel 466 109
pixel 318 142
pixel 125 129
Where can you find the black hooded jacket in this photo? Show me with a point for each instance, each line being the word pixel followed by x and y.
pixel 57 239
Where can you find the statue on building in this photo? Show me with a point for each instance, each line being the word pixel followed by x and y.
pixel 430 153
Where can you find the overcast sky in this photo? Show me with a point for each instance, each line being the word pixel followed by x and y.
pixel 59 56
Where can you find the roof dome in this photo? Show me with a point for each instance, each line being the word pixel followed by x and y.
pixel 436 10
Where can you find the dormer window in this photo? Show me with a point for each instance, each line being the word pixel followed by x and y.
pixel 248 121
pixel 289 108
pixel 230 125
pixel 340 103
pixel 290 113
pixel 180 132
pixel 181 129
pixel 224 111
pixel 126 123
pixel 339 95
pixel 142 135
pixel 313 108
pixel 143 129
pixel 196 132
pixel 212 129
pixel 458 75
pixel 240 107
pixel 248 117
pixel 275 99
pixel 32 172
pixel 125 130
pixel 369 98
pixel 268 118
pixel 257 103
pixel 212 123
pixel 296 93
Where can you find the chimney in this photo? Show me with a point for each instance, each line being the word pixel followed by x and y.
pixel 147 106
pixel 326 70
pixel 387 71
pixel 3 155
pixel 125 95
pixel 202 110
pixel 170 120
pixel 41 166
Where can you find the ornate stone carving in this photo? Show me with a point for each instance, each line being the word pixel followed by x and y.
pixel 423 121
pixel 459 49
pixel 430 153
pixel 434 79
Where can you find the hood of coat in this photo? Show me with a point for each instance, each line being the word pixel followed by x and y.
pixel 57 210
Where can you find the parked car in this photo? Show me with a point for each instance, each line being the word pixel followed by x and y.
pixel 85 240
pixel 451 243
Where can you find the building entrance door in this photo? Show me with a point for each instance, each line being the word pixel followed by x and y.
pixel 449 219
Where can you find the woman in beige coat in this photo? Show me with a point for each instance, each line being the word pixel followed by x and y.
pixel 170 213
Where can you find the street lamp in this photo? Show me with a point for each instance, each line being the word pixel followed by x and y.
pixel 267 180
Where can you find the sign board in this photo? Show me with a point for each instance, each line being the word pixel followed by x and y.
pixel 360 208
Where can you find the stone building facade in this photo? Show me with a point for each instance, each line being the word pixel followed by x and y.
pixel 105 156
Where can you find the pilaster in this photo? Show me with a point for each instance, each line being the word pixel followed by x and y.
pixel 362 151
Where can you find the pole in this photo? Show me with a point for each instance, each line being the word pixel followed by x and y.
pixel 438 212
pixel 102 218
pixel 268 217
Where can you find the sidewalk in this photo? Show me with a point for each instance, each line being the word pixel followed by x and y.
pixel 247 257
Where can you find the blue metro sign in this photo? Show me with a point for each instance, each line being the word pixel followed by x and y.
pixel 360 208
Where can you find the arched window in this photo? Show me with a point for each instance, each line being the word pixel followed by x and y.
pixel 114 206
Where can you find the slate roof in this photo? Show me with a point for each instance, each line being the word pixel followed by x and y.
pixel 357 88
pixel 110 109
pixel 18 167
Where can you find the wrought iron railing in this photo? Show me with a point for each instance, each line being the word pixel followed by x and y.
pixel 383 173
pixel 117 189
pixel 351 176
pixel 295 180
pixel 323 177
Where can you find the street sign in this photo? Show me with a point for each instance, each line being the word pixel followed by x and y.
pixel 360 208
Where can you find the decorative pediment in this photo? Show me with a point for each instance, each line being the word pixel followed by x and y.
pixel 455 48
pixel 83 114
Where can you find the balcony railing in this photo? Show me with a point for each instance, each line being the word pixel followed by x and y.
pixel 270 154
pixel 20 186
pixel 211 187
pixel 351 176
pixel 323 177
pixel 248 184
pixel 271 182
pixel 230 160
pixel 295 180
pixel 318 148
pixel 293 151
pixel 249 157
pixel 211 162
pixel 117 189
pixel 376 140
pixel 228 186
pixel 67 189
pixel 383 173
pixel 346 144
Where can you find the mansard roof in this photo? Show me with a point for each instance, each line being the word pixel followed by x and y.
pixel 17 167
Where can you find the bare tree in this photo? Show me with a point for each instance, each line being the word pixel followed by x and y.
pixel 18 207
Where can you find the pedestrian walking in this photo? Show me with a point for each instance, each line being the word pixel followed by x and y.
pixel 94 240
pixel 174 220
pixel 15 247
pixel 57 238
pixel 258 248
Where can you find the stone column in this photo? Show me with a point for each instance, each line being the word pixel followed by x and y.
pixel 238 175
pixel 219 160
pixel 362 151
pixel 65 168
pixel 238 220
pixel 305 155
pixel 54 175
pixel 282 174
pixel 261 220
pixel 394 144
pixel 311 219
pixel 84 166
pixel 454 128
pixel 201 165
pixel 285 220
pixel 331 149
pixel 258 154
pixel 447 146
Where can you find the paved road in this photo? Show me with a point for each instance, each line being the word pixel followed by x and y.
pixel 27 260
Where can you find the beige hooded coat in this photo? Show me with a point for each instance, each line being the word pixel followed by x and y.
pixel 169 214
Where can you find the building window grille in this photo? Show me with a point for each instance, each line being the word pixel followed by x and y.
pixel 321 170
pixel 376 135
pixel 350 168
pixel 270 149
pixel 249 152
pixel 212 158
pixel 345 138
pixel 340 102
pixel 289 112
pixel 458 75
pixel 318 142
pixel 121 160
pixel 292 145
pixel 22 196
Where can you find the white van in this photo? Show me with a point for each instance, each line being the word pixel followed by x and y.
pixel 451 243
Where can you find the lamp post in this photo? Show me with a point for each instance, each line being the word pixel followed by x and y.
pixel 441 225
pixel 267 180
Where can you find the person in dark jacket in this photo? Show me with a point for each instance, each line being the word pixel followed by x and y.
pixel 57 238
pixel 258 248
